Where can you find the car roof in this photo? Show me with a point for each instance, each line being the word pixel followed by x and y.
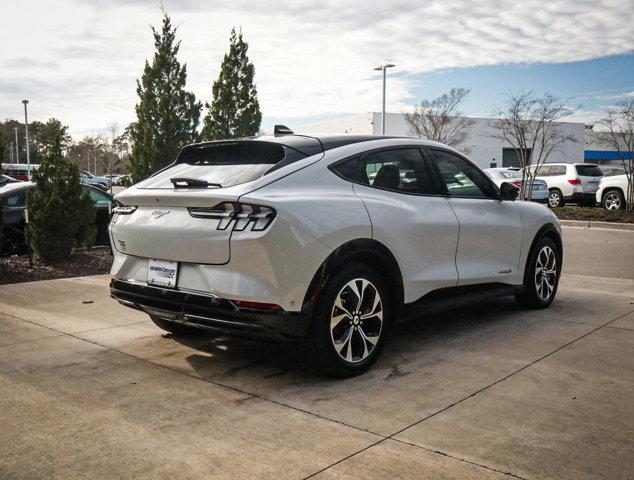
pixel 314 144
pixel 15 186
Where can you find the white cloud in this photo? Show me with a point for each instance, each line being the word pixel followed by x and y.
pixel 79 61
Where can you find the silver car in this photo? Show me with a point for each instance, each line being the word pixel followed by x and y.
pixel 514 177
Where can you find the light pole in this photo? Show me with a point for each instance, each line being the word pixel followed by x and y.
pixel 17 149
pixel 383 68
pixel 26 127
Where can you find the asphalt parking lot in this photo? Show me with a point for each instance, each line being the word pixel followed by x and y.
pixel 93 390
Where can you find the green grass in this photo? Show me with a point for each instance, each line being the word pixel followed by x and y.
pixel 596 214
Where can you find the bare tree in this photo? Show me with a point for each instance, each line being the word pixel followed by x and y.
pixel 528 124
pixel 439 119
pixel 616 129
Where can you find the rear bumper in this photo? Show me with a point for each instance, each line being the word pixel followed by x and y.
pixel 210 313
pixel 579 197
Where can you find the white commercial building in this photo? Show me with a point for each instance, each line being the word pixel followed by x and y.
pixel 480 144
pixel 484 149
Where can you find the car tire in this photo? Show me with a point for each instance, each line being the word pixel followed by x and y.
pixel 540 289
pixel 613 200
pixel 176 328
pixel 339 344
pixel 555 198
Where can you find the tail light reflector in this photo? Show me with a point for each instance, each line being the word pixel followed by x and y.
pixel 238 215
pixel 256 305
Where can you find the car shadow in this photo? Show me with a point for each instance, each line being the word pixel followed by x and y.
pixel 223 357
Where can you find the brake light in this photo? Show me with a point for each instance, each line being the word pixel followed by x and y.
pixel 516 184
pixel 122 209
pixel 575 181
pixel 238 215
pixel 256 305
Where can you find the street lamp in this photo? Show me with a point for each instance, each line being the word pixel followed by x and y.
pixel 383 68
pixel 26 127
pixel 17 150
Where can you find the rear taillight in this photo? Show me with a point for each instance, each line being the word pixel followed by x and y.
pixel 238 215
pixel 575 181
pixel 516 184
pixel 122 209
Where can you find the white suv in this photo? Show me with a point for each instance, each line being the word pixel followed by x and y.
pixel 612 192
pixel 570 182
pixel 327 240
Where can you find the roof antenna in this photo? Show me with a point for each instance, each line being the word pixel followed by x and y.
pixel 282 130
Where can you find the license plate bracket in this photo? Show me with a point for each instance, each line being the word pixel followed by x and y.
pixel 162 273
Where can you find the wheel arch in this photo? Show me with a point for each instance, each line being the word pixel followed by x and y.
pixel 365 251
pixel 610 189
pixel 548 230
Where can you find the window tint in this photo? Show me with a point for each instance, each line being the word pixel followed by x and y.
pixel 589 171
pixel 348 169
pixel 98 197
pixel 461 178
pixel 17 200
pixel 544 170
pixel 558 170
pixel 402 170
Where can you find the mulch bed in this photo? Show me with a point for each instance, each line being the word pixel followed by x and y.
pixel 596 214
pixel 16 269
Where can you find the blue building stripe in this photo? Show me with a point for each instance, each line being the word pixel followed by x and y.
pixel 605 155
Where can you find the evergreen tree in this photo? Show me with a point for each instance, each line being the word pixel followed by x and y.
pixel 167 114
pixel 235 110
pixel 61 213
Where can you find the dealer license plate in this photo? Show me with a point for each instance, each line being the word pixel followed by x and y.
pixel 162 273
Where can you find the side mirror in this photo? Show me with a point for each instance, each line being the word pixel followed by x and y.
pixel 508 191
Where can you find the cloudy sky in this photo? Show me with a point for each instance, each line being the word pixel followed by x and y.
pixel 79 60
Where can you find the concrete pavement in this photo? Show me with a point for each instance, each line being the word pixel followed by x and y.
pixel 93 390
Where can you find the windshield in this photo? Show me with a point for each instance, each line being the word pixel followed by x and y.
pixel 589 171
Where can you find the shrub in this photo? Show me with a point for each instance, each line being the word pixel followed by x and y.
pixel 61 213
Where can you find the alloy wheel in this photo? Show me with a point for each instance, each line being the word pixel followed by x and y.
pixel 356 320
pixel 612 201
pixel 545 273
pixel 554 199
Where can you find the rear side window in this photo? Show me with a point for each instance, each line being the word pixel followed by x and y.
pixel 558 170
pixel 400 170
pixel 589 171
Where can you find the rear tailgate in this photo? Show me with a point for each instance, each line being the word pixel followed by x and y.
pixel 165 230
pixel 203 176
pixel 590 176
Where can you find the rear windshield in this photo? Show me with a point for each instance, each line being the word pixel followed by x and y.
pixel 589 171
pixel 233 163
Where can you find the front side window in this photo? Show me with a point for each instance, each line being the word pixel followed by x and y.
pixel 97 197
pixel 17 200
pixel 544 170
pixel 462 178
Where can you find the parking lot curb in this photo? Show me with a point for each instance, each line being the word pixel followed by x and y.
pixel 590 224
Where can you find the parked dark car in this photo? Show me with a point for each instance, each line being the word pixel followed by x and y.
pixel 5 179
pixel 13 200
